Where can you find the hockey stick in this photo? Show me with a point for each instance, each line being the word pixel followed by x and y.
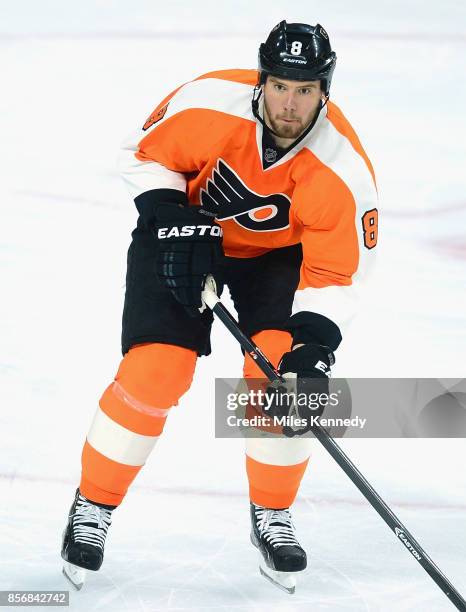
pixel 212 300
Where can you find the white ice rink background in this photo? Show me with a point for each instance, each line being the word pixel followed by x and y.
pixel 76 78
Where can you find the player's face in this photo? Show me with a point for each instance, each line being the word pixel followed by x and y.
pixel 290 106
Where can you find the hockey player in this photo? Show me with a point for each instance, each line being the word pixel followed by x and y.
pixel 256 178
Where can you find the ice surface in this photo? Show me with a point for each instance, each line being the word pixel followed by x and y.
pixel 76 78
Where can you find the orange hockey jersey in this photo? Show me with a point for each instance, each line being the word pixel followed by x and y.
pixel 204 140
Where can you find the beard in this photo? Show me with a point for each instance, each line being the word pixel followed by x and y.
pixel 286 130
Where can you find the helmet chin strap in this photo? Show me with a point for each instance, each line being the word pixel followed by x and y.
pixel 255 111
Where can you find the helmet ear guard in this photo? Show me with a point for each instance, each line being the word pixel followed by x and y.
pixel 298 52
pixel 262 77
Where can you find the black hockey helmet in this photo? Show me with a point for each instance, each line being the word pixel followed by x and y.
pixel 298 52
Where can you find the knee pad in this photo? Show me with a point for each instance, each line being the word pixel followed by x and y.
pixel 150 380
pixel 156 374
pixel 273 343
pixel 133 409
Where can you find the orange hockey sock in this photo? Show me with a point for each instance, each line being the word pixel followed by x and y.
pixel 274 467
pixel 132 412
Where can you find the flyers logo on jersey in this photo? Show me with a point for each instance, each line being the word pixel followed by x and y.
pixel 156 116
pixel 228 197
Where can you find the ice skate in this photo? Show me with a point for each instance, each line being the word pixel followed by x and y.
pixel 84 538
pixel 281 557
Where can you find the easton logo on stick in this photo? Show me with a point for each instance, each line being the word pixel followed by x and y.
pixel 400 533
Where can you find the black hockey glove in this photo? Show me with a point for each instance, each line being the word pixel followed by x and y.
pixel 310 364
pixel 190 248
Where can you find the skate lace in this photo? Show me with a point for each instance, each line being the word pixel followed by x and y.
pixel 85 513
pixel 276 526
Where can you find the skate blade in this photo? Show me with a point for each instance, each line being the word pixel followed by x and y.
pixel 76 575
pixel 283 580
